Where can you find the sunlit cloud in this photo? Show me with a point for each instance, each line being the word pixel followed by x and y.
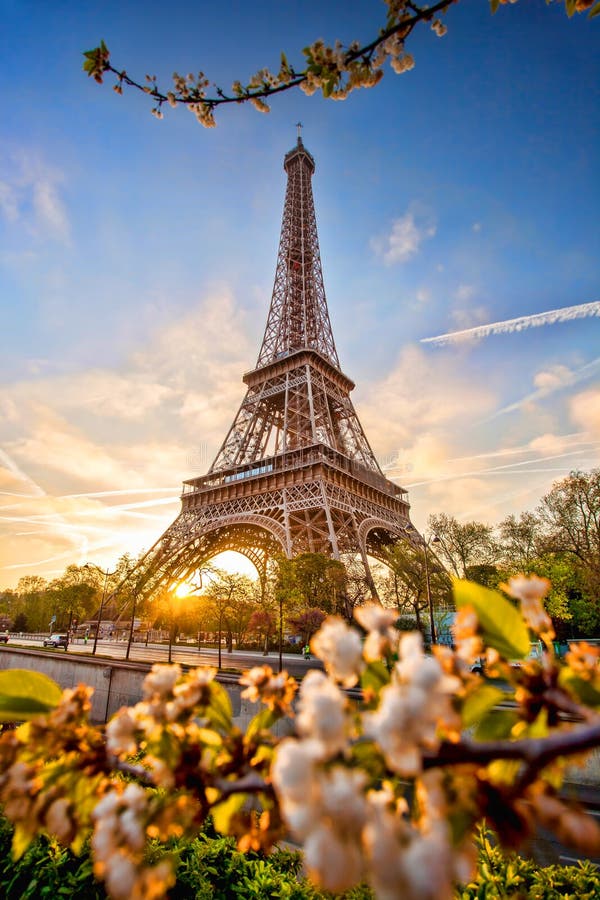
pixel 94 460
pixel 585 410
pixel 405 237
pixel 522 323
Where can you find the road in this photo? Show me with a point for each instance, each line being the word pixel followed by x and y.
pixel 186 655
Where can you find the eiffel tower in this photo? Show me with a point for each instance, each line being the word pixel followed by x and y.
pixel 295 473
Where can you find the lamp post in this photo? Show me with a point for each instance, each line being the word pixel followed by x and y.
pixel 130 639
pixel 432 540
pixel 107 575
pixel 280 631
pixel 179 593
pixel 220 627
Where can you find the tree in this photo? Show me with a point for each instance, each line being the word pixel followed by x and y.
pixel 334 70
pixel 307 622
pixel 406 586
pixel 263 624
pixel 519 541
pixel 20 623
pixel 460 546
pixel 313 580
pixel 34 602
pixel 73 597
pixel 233 598
pixel 570 518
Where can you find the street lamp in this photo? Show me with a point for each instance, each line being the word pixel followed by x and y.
pixel 280 631
pixel 434 540
pixel 130 638
pixel 179 593
pixel 107 575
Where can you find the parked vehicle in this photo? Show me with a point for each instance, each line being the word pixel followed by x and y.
pixel 3 637
pixel 57 640
pixel 535 652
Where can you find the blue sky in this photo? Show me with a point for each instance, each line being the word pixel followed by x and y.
pixel 137 258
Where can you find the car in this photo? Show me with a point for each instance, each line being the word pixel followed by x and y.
pixel 535 653
pixel 4 637
pixel 57 640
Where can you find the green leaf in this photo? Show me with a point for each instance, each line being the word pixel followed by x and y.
pixel 24 694
pixel 479 703
pixel 219 711
pixel 594 11
pixel 501 623
pixel 222 813
pixel 261 721
pixel 497 726
pixel 494 4
pixel 374 677
pixel 571 6
pixel 21 841
pixel 578 687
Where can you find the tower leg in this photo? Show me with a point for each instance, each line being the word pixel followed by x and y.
pixel 332 535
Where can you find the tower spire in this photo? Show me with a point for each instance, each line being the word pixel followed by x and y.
pixel 298 317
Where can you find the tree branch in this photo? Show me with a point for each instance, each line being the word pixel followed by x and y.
pixel 195 96
pixel 534 752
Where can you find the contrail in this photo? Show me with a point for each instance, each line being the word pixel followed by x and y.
pixel 565 314
pixel 574 378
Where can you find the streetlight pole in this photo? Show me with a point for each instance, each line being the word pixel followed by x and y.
pixel 280 632
pixel 107 575
pixel 132 624
pixel 220 626
pixel 428 585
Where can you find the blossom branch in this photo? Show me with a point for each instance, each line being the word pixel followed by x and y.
pixel 247 784
pixel 404 19
pixel 535 752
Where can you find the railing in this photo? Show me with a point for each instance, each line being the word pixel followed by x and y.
pixel 296 459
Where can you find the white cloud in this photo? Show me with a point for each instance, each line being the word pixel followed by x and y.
pixel 464 292
pixel 30 196
pixel 8 202
pixel 553 378
pixel 465 318
pixel 405 237
pixel 49 209
pixel 585 410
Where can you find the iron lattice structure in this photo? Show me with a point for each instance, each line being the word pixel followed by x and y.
pixel 295 472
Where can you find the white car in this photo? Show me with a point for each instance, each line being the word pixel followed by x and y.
pixel 57 640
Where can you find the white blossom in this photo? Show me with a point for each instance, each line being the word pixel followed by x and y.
pixel 379 622
pixel 120 733
pixel 161 680
pixel 322 714
pixel 531 590
pixel 340 648
pixel 332 862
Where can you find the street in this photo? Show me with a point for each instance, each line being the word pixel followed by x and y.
pixel 190 656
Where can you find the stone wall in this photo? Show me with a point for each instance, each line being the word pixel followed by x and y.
pixel 116 683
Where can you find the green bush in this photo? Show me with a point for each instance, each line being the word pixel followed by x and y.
pixel 501 876
pixel 45 870
pixel 211 868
